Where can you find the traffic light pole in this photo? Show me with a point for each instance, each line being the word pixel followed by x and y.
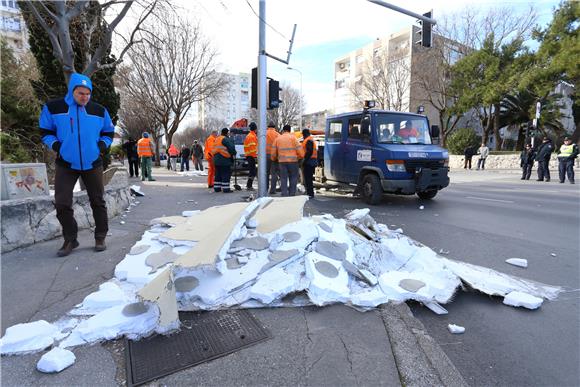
pixel 262 84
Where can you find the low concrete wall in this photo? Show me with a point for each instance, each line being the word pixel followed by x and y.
pixel 510 161
pixel 31 220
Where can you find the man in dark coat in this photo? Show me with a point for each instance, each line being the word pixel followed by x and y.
pixel 184 154
pixel 527 158
pixel 543 158
pixel 197 156
pixel 468 153
pixel 223 152
pixel 130 149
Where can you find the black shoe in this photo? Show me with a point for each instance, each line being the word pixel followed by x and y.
pixel 227 191
pixel 572 182
pixel 523 178
pixel 100 244
pixel 67 248
pixel 547 180
pixel 250 188
pixel 210 186
pixel 540 180
pixel 561 181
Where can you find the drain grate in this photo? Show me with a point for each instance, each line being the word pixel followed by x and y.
pixel 204 336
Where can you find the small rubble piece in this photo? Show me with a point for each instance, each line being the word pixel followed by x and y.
pixel 28 338
pixel 411 285
pixel 522 299
pixel 56 360
pixel 160 259
pixel 455 329
pixel 333 250
pixel 517 262
pixel 421 207
pixel 441 251
pixel 122 222
pixel 136 190
pixel 233 263
pixel 255 243
pixel 553 254
pixel 138 249
pixel 370 278
pixel 436 308
pixel 188 214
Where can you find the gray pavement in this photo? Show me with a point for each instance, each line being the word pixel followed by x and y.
pixel 334 345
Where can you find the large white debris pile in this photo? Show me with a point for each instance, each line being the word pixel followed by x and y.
pixel 264 254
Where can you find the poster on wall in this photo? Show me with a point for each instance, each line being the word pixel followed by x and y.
pixel 24 180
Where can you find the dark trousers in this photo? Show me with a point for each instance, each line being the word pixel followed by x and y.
pixel 288 178
pixel 481 163
pixel 223 175
pixel 198 164
pixel 64 182
pixel 543 170
pixel 184 161
pixel 467 163
pixel 272 170
pixel 527 171
pixel 134 167
pixel 566 166
pixel 308 171
pixel 251 170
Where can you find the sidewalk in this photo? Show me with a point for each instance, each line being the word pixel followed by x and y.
pixel 311 346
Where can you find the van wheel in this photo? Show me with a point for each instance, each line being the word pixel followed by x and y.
pixel 371 190
pixel 430 194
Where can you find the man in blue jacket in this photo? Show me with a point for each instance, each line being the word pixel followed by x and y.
pixel 79 131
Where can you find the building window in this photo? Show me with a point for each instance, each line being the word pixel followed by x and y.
pixel 4 3
pixel 339 84
pixel 11 4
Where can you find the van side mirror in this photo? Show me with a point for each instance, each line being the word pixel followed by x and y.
pixel 435 131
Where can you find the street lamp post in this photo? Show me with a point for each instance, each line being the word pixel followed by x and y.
pixel 300 99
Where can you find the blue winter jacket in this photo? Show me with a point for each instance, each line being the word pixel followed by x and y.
pixel 77 133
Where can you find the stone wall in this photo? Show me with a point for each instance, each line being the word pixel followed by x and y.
pixel 31 220
pixel 509 161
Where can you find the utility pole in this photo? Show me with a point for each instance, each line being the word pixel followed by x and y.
pixel 262 84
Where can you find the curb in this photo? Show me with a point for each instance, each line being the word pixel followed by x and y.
pixel 419 359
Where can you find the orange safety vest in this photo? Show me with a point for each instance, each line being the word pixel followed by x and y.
pixel 251 144
pixel 287 149
pixel 271 136
pixel 144 147
pixel 209 146
pixel 314 147
pixel 173 151
pixel 218 147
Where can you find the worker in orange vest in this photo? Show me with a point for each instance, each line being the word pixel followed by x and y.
pixel 251 153
pixel 223 153
pixel 310 161
pixel 271 165
pixel 145 151
pixel 173 153
pixel 209 157
pixel 287 152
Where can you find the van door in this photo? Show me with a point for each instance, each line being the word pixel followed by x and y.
pixel 358 146
pixel 333 150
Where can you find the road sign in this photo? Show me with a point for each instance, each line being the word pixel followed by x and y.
pixel 538 108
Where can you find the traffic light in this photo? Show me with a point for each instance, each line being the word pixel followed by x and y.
pixel 254 96
pixel 273 94
pixel 425 35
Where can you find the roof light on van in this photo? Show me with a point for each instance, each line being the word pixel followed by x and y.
pixel 395 165
pixel 369 104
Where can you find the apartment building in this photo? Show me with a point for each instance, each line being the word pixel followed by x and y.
pixel 12 27
pixel 231 105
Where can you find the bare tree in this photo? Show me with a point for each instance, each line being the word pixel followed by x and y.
pixel 291 107
pixel 56 17
pixel 173 69
pixel 384 78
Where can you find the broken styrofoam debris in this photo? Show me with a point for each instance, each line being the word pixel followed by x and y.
pixel 421 207
pixel 517 262
pixel 328 280
pixel 188 214
pixel 455 329
pixel 553 254
pixel 28 338
pixel 55 360
pixel 122 222
pixel 136 190
pixel 522 299
pixel 108 295
pixel 436 308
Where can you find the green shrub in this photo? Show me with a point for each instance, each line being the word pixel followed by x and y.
pixel 461 139
pixel 12 150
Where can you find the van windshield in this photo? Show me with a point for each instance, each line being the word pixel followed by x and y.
pixel 401 129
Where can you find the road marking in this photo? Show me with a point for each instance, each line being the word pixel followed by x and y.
pixel 490 200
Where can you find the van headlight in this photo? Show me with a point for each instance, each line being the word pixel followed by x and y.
pixel 396 165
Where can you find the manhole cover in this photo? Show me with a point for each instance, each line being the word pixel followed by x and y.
pixel 204 336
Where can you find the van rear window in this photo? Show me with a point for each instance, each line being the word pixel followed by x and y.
pixel 334 132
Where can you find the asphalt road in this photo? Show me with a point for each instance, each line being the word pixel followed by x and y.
pixel 485 218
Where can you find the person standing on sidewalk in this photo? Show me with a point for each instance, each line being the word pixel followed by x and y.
pixel 566 156
pixel 271 165
pixel 79 131
pixel 468 154
pixel 310 161
pixel 483 152
pixel 527 158
pixel 223 151
pixel 173 153
pixel 251 153
pixel 287 152
pixel 184 154
pixel 130 148
pixel 146 151
pixel 197 156
pixel 543 158
pixel 209 157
